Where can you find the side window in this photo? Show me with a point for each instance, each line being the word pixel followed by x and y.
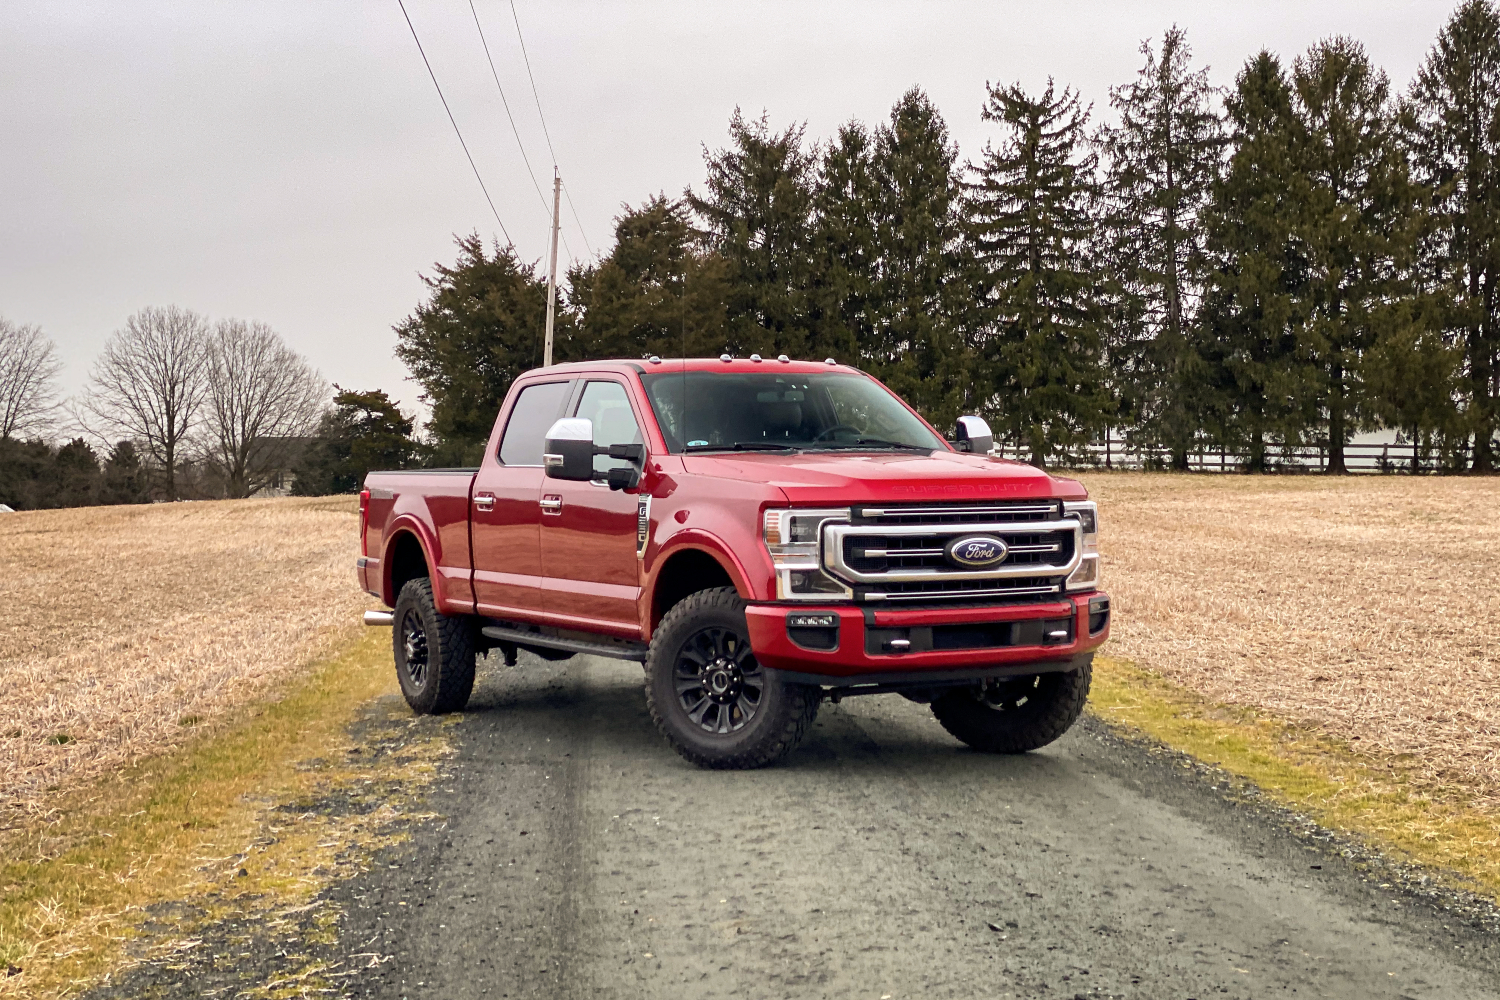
pixel 536 409
pixel 606 404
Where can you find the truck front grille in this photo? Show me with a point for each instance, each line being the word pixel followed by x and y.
pixel 891 553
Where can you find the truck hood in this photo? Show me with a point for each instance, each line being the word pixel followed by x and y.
pixel 882 477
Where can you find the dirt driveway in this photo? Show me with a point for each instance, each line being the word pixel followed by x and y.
pixel 576 856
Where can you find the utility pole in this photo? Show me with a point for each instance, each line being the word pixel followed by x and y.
pixel 552 270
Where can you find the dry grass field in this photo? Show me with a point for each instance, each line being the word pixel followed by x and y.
pixel 125 629
pixel 1365 606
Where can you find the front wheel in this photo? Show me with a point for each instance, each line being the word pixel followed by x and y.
pixel 1014 715
pixel 710 698
pixel 434 652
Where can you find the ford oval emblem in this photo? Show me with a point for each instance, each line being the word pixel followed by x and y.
pixel 975 551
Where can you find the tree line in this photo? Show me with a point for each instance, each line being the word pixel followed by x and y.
pixel 1281 262
pixel 182 408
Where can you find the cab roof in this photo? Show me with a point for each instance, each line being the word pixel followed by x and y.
pixel 733 365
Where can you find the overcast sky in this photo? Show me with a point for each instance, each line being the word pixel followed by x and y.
pixel 291 162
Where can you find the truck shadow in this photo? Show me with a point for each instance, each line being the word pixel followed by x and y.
pixel 599 706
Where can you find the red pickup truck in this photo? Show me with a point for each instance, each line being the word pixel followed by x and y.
pixel 760 534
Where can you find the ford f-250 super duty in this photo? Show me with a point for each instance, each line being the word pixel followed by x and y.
pixel 760 534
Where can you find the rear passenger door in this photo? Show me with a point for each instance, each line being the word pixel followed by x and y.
pixel 591 573
pixel 505 505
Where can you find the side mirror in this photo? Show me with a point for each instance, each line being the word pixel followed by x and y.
pixel 974 435
pixel 569 450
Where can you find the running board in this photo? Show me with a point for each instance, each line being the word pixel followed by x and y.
pixel 622 650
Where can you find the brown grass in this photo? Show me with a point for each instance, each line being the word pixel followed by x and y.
pixel 125 629
pixel 1364 607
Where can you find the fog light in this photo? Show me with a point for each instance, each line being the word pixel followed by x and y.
pixel 812 621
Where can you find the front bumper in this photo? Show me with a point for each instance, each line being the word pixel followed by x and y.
pixel 909 645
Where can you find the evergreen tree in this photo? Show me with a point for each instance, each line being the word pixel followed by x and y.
pixel 363 431
pixel 756 212
pixel 1357 227
pixel 1254 304
pixel 1411 377
pixel 76 472
pixel 1031 218
pixel 124 480
pixel 28 478
pixel 480 327
pixel 653 293
pixel 845 254
pixel 1162 159
pixel 917 292
pixel 1452 122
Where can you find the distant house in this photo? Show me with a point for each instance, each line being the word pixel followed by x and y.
pixel 282 456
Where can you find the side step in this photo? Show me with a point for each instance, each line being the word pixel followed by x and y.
pixel 621 650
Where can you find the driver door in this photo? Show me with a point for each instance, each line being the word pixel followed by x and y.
pixel 591 573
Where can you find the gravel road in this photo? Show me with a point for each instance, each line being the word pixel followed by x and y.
pixel 578 856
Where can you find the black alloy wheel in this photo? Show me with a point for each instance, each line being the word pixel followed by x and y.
pixel 719 684
pixel 414 644
pixel 434 652
pixel 711 698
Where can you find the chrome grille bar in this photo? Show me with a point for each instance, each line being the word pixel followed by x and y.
pixel 834 562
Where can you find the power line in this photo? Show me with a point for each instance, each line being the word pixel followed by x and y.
pixel 538 98
pixel 577 219
pixel 454 121
pixel 515 131
pixel 515 17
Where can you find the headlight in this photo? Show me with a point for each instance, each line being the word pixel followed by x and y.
pixel 791 537
pixel 1086 512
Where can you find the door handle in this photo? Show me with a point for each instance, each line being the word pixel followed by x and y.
pixel 484 501
pixel 551 504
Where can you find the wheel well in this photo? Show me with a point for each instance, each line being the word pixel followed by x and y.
pixel 686 572
pixel 408 562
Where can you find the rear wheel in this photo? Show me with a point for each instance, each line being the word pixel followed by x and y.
pixel 434 652
pixel 1014 715
pixel 710 698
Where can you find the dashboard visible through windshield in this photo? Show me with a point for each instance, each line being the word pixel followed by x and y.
pixel 708 411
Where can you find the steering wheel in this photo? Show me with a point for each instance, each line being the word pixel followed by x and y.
pixel 834 429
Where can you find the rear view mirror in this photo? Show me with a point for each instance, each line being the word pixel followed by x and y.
pixel 569 450
pixel 974 435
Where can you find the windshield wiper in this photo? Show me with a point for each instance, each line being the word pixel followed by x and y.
pixel 742 446
pixel 869 442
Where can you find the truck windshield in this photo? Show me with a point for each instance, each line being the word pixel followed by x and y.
pixel 770 411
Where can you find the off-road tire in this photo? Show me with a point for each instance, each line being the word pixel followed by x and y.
pixel 445 680
pixel 781 716
pixel 1049 705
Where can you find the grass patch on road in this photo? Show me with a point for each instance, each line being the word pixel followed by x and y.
pixel 1379 798
pixel 221 822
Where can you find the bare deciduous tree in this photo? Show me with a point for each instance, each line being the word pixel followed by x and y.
pixel 149 385
pixel 28 378
pixel 261 395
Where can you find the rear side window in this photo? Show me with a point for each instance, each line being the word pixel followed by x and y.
pixel 536 409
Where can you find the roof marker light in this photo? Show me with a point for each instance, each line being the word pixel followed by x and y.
pixel 829 361
pixel 654 360
pixel 755 358
pixel 783 359
pixel 725 358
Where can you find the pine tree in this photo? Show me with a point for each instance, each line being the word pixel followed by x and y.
pixel 125 480
pixel 1452 123
pixel 916 293
pixel 756 213
pixel 1162 159
pixel 77 475
pixel 1253 308
pixel 361 432
pixel 1358 223
pixel 1411 376
pixel 1031 218
pixel 480 327
pixel 845 252
pixel 653 293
